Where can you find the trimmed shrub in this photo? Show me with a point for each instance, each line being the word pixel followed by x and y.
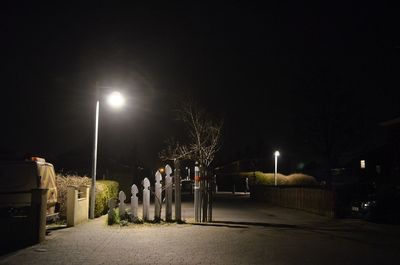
pixel 299 179
pixel 113 217
pixel 295 179
pixel 265 178
pixel 105 190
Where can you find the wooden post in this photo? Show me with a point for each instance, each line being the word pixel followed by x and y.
pixel 210 198
pixel 121 207
pixel 168 193
pixel 204 192
pixel 177 180
pixel 38 214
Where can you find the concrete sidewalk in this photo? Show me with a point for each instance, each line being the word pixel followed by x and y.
pixel 243 233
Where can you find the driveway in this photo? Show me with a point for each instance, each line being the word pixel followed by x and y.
pixel 243 232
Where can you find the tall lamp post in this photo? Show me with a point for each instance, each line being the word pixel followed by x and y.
pixel 115 100
pixel 276 154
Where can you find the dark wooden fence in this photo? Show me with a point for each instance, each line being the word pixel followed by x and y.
pixel 313 200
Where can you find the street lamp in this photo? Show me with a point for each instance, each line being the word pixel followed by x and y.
pixel 188 175
pixel 276 154
pixel 115 100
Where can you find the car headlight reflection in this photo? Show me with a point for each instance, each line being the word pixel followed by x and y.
pixel 367 204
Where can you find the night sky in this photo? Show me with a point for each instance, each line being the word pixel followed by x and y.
pixel 277 74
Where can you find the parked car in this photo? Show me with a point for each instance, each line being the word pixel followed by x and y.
pixel 17 178
pixel 364 207
pixel 382 206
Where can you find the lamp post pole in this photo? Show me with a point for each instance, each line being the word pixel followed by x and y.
pixel 276 154
pixel 115 100
pixel 94 163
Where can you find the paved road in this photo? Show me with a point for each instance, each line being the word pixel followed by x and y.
pixel 243 233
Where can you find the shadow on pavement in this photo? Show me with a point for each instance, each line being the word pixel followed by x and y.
pixel 257 224
pixel 220 225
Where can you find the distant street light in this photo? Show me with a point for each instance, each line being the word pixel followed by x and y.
pixel 276 154
pixel 115 100
pixel 188 175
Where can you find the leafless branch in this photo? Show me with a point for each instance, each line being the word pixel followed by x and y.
pixel 204 136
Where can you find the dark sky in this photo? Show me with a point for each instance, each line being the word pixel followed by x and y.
pixel 270 71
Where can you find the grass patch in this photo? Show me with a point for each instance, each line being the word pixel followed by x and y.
pixel 115 219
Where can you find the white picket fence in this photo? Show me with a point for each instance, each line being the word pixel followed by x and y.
pixel 134 206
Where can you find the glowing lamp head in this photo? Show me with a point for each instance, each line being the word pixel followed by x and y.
pixel 277 153
pixel 116 100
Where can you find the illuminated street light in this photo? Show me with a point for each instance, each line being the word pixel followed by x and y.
pixel 276 154
pixel 115 100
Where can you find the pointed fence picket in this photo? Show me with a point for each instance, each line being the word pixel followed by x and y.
pixel 157 195
pixel 122 205
pixel 146 199
pixel 158 188
pixel 134 202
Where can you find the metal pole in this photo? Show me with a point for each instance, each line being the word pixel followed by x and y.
pixel 197 198
pixel 94 165
pixel 276 169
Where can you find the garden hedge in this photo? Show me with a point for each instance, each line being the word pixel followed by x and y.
pixel 105 190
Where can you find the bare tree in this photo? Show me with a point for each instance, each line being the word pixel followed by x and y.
pixel 174 150
pixel 202 143
pixel 203 139
pixel 203 133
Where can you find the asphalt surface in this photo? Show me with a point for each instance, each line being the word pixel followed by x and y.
pixel 243 232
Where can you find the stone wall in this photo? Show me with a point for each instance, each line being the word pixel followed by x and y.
pixel 77 205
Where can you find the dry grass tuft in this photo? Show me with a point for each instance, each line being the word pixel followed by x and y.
pixel 62 183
